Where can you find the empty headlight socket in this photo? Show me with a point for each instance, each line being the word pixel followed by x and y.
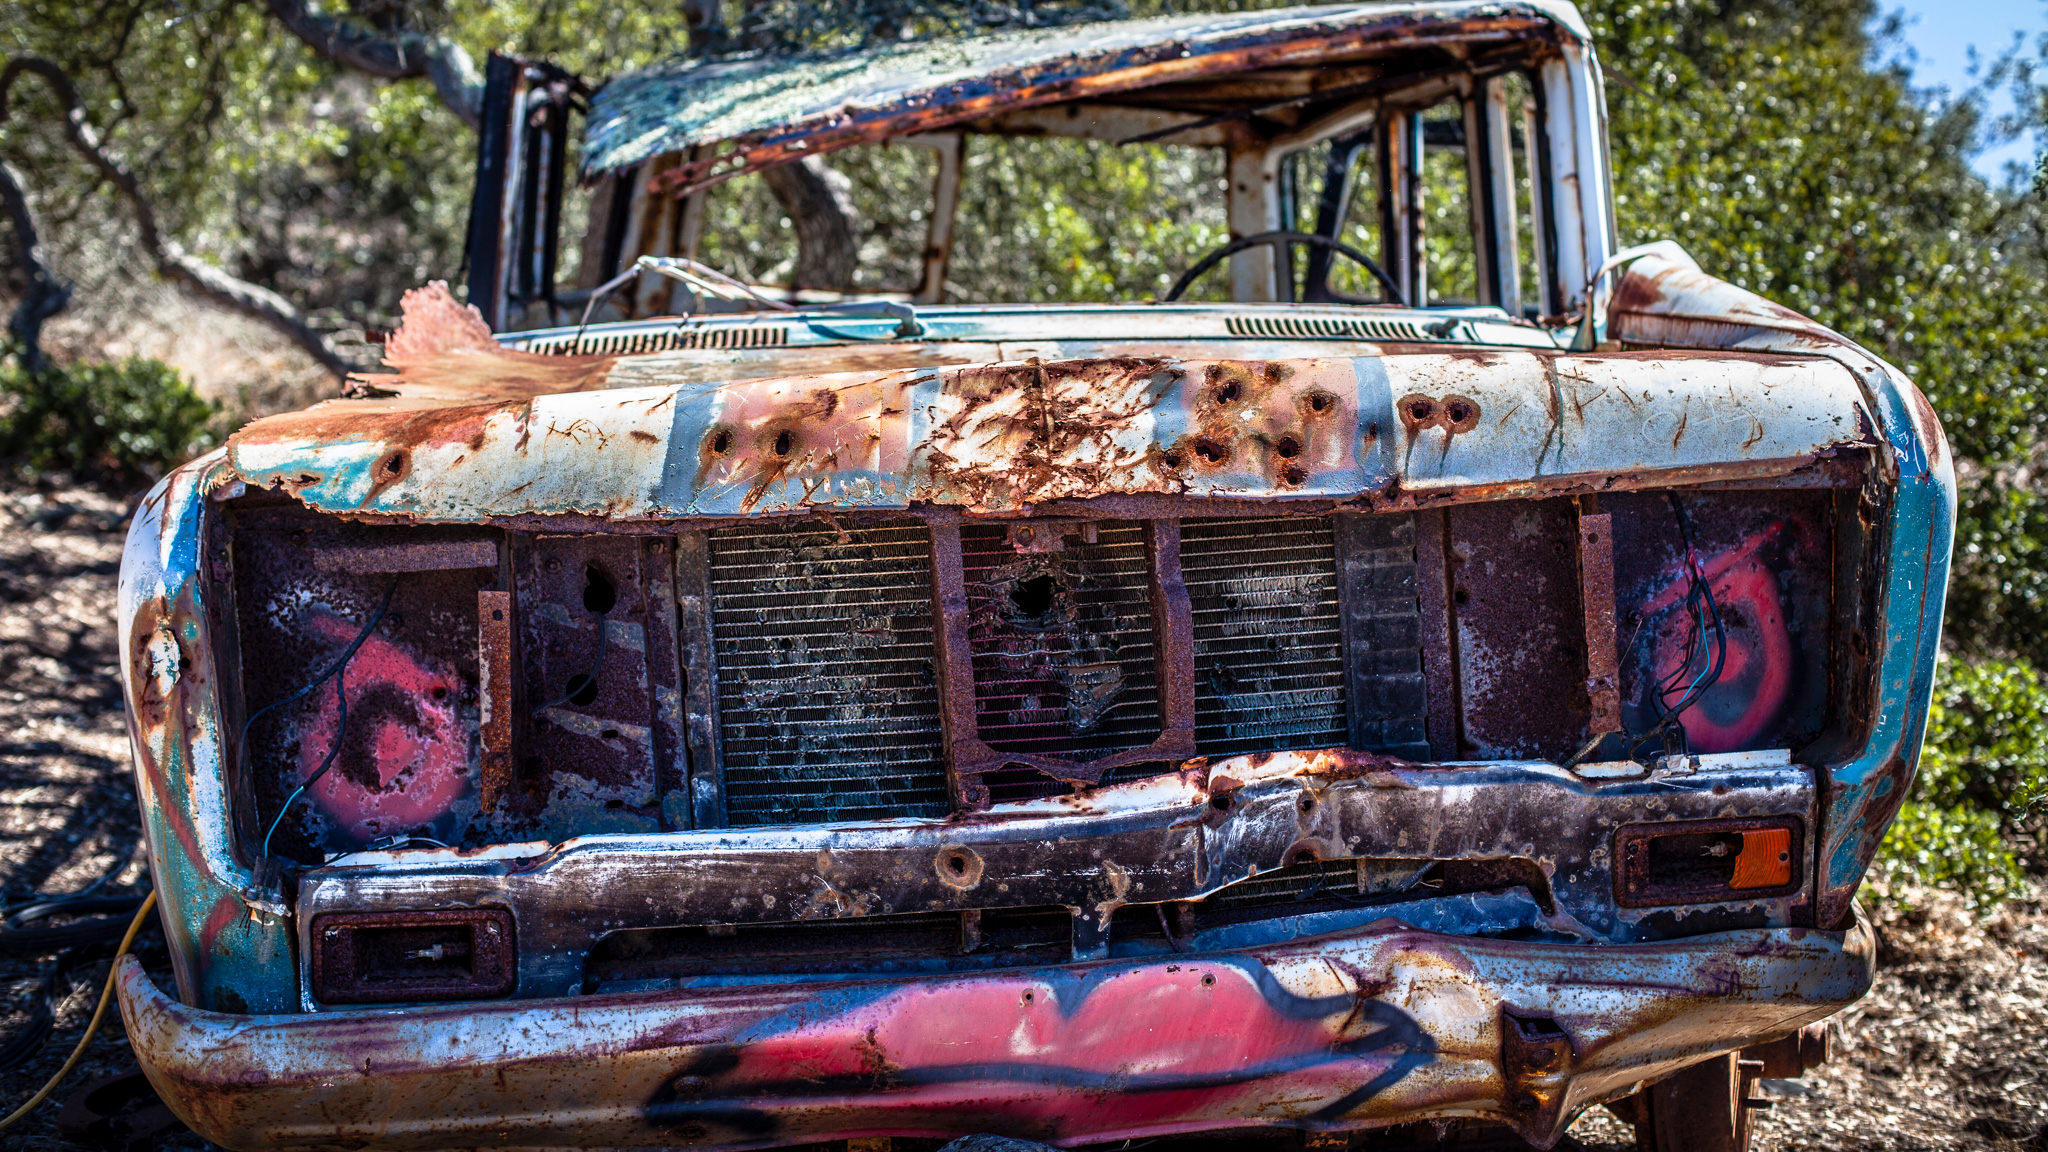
pixel 413 957
pixel 1707 861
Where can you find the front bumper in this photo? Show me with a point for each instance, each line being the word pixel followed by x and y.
pixel 1383 1025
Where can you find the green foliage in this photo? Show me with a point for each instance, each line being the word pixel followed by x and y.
pixel 1763 139
pixel 1975 819
pixel 119 422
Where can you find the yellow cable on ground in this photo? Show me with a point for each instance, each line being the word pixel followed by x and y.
pixel 106 994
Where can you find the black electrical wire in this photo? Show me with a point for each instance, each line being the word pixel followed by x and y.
pixel 1706 644
pixel 33 1034
pixel 21 935
pixel 334 671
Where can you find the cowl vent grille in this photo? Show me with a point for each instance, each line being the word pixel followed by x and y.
pixel 1315 328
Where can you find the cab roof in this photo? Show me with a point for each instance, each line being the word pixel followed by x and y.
pixel 732 116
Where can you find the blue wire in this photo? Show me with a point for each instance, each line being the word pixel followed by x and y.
pixel 341 718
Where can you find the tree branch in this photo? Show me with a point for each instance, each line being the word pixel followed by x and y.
pixel 819 201
pixel 46 295
pixel 172 261
pixel 396 56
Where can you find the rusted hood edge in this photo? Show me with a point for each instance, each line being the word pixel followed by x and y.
pixel 1005 437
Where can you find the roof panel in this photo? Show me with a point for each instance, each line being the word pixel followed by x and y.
pixel 769 110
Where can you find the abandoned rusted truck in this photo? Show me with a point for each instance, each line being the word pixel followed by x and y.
pixel 1396 701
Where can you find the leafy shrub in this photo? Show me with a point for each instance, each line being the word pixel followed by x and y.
pixel 1975 821
pixel 117 422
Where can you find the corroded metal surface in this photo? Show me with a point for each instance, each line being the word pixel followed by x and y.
pixel 1368 1027
pixel 1404 426
pixel 1666 299
pixel 746 114
pixel 1182 836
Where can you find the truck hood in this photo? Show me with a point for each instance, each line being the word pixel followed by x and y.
pixel 470 431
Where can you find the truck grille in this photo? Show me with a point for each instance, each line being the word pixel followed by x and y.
pixel 1062 642
pixel 828 668
pixel 828 708
pixel 1269 651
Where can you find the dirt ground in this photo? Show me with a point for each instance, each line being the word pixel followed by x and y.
pixel 1950 1051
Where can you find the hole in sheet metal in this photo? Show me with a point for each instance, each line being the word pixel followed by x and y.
pixel 1211 451
pixel 784 443
pixel 582 690
pixel 599 593
pixel 1421 410
pixel 1288 447
pixel 1033 596
pixel 1227 393
pixel 720 442
pixel 1294 476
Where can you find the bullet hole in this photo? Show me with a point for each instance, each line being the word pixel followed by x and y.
pixel 1288 447
pixel 1033 596
pixel 1307 803
pixel 956 864
pixel 1208 979
pixel 1211 452
pixel 440 692
pixel 599 594
pixel 1320 401
pixel 784 442
pixel 721 442
pixel 582 690
pixel 1459 409
pixel 394 464
pixel 1294 476
pixel 497 613
pixel 1027 997
pixel 1171 460
pixel 1460 596
pixel 1372 430
pixel 609 734
pixel 1220 801
pixel 1421 411
pixel 1227 392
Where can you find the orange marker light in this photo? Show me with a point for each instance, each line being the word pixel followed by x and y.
pixel 1765 860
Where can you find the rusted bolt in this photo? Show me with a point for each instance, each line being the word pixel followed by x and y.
pixel 1288 447
pixel 1212 452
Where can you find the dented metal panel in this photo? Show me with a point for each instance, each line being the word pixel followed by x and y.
pixel 1368 1027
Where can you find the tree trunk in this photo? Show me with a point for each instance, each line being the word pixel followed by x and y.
pixel 820 205
pixel 46 294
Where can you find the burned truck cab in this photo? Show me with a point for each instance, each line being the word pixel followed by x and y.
pixel 1455 670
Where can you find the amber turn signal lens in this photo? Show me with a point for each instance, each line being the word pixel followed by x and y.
pixel 1765 860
